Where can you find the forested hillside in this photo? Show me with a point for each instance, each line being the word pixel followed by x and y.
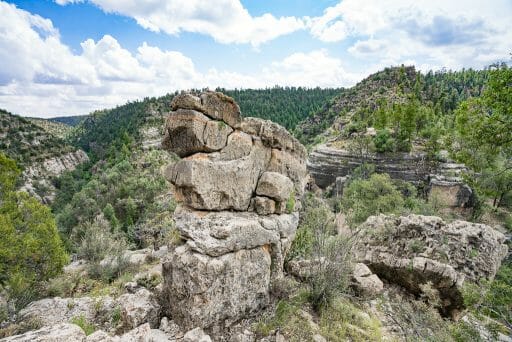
pixel 69 120
pixel 286 106
pixel 400 99
pixel 26 142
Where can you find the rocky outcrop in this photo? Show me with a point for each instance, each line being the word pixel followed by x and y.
pixel 365 282
pixel 135 308
pixel 60 332
pixel 239 185
pixel 325 163
pixel 330 166
pixel 37 177
pixel 424 251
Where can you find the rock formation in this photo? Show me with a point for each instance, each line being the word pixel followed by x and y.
pixel 239 183
pixel 329 166
pixel 37 177
pixel 424 251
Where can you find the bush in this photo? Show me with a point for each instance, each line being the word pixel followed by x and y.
pixel 384 142
pixel 30 247
pixel 330 254
pixel 377 195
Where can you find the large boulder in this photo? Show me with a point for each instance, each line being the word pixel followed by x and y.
pixel 233 217
pixel 52 311
pixel 204 291
pixel 275 185
pixel 138 308
pixel 213 104
pixel 188 132
pixel 420 252
pixel 203 182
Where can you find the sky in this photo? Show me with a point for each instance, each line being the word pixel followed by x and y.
pixel 71 57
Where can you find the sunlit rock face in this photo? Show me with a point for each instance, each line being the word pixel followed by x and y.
pixel 239 183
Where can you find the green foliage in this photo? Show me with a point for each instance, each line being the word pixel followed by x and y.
pixel 343 321
pixel 330 255
pixel 84 324
pixel 384 142
pixel 30 248
pixel 483 127
pixel 399 99
pixel 26 142
pixel 123 192
pixel 376 195
pixel 286 106
pixel 290 203
pixel 287 319
pixel 103 133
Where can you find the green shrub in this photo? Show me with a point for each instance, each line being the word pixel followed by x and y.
pixel 377 195
pixel 83 323
pixel 290 203
pixel 31 250
pixel 384 142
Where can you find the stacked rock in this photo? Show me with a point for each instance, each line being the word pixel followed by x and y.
pixel 239 184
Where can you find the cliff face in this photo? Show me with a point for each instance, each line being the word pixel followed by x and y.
pixel 326 163
pixel 443 180
pixel 37 176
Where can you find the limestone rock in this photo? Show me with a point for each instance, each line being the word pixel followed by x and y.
pixel 59 332
pixel 264 205
pixel 273 135
pixel 219 233
pixel 214 104
pixel 275 185
pixel 202 290
pixel 52 311
pixel 139 308
pixel 233 186
pixel 196 335
pixel 290 165
pixel 365 282
pixel 207 184
pixel 188 132
pixel 414 251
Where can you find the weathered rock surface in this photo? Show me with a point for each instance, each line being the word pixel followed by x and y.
pixel 38 175
pixel 275 185
pixel 61 332
pixel 52 311
pixel 365 282
pixel 213 104
pixel 203 290
pixel 330 166
pixel 415 251
pixel 232 217
pixel 196 335
pixel 138 308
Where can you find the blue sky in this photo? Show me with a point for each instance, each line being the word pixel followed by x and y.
pixel 69 57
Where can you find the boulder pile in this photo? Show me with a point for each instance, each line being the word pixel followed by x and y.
pixel 428 256
pixel 239 185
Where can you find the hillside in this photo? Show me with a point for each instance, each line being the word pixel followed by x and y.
pixel 27 142
pixel 385 92
pixel 39 149
pixel 285 106
pixel 69 120
pixel 57 129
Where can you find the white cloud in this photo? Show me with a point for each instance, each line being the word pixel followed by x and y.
pixel 451 34
pixel 227 21
pixel 41 76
